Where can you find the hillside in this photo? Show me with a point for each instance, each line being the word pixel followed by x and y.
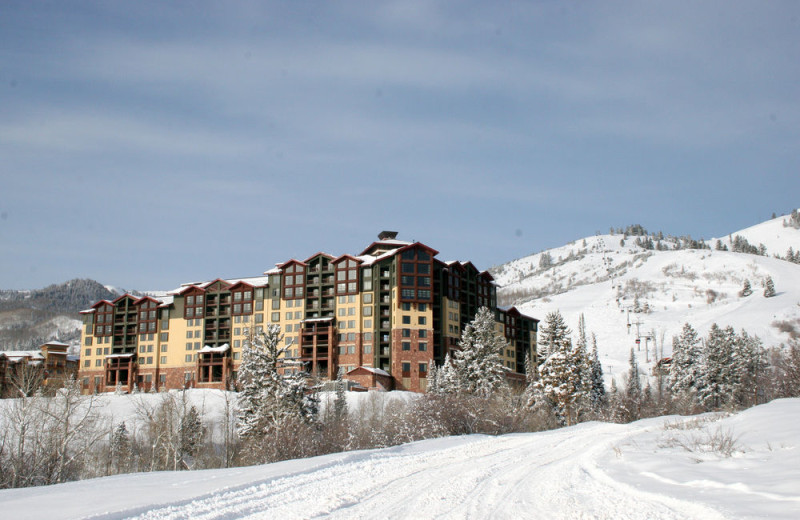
pixel 708 466
pixel 608 278
pixel 30 318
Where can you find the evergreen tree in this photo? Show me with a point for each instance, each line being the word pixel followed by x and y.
pixel 120 448
pixel 769 288
pixel 747 290
pixel 597 392
pixel 554 335
pixel 633 390
pixel 686 359
pixel 564 376
pixel 716 382
pixel 433 379
pixel 268 400
pixel 447 380
pixel 190 436
pixel 340 403
pixel 750 365
pixel 476 365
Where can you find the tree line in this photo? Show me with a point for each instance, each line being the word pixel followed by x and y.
pixel 280 413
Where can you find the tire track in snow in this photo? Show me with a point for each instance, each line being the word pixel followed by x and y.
pixel 548 475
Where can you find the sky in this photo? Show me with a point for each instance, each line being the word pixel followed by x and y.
pixel 145 144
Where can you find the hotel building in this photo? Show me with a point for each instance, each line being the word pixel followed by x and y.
pixel 380 318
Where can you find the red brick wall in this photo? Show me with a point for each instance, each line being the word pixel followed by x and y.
pixel 413 356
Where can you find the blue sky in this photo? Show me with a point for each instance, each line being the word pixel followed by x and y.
pixel 145 144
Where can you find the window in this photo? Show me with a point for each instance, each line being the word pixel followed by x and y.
pixel 163 360
pixel 87 363
pixel 298 315
pixel 406 333
pixel 423 347
pixel 188 345
pixel 423 368
pixel 98 362
pixel 188 358
pixel 164 336
pixel 406 345
pixel 351 336
pixel 367 311
pixel 423 333
pixel 351 324
pixel 367 324
pixel 367 336
pixel 368 298
pixel 259 318
pixel 406 367
pixel 406 306
pixel 422 320
pixel 164 348
pixel 406 320
pixel 88 342
pixel 351 349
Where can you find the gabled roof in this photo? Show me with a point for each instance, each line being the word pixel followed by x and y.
pixel 126 295
pixel 376 371
pixel 290 262
pixel 101 302
pixel 190 288
pixel 147 298
pixel 384 244
pixel 224 283
pixel 347 257
pixel 318 253
pixel 240 283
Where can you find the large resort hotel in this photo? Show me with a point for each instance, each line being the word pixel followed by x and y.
pixel 379 319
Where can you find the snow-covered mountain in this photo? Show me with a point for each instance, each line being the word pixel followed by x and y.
pixel 608 278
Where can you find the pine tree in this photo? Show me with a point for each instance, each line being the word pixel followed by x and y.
pixel 597 392
pixel 433 379
pixel 120 449
pixel 633 390
pixel 564 376
pixel 190 436
pixel 447 379
pixel 716 382
pixel 750 365
pixel 340 403
pixel 686 360
pixel 476 365
pixel 268 400
pixel 769 288
pixel 747 290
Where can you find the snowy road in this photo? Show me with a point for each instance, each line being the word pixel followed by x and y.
pixel 661 468
pixel 550 475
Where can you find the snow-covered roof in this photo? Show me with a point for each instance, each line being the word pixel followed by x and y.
pixel 274 270
pixel 312 320
pixel 16 355
pixel 57 344
pixel 87 311
pixel 222 348
pixel 119 356
pixel 374 370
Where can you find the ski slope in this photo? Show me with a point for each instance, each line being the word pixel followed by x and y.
pixel 601 276
pixel 661 468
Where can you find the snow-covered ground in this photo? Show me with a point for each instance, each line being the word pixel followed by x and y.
pixel 600 276
pixel 709 466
